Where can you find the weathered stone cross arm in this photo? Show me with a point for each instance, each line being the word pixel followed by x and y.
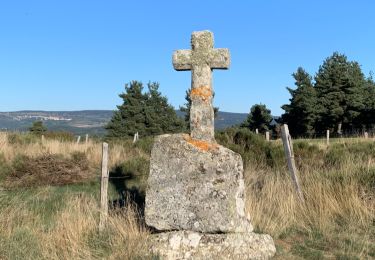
pixel 217 59
pixel 201 60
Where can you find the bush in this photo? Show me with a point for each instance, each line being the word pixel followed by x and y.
pixel 48 169
pixel 38 128
pixel 129 180
pixel 252 147
pixel 80 159
pixel 145 144
pixel 132 174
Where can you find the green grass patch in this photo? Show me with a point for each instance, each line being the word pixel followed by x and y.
pixel 22 244
pixel 307 252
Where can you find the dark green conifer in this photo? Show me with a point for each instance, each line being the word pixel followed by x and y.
pixel 258 118
pixel 301 113
pixel 38 128
pixel 160 116
pixel 146 113
pixel 340 86
pixel 130 116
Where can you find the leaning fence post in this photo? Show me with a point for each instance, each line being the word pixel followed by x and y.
pixel 339 129
pixel 268 136
pixel 104 188
pixel 327 137
pixel 288 148
pixel 136 137
pixel 78 139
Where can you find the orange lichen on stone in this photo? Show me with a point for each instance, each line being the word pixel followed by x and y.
pixel 202 145
pixel 204 92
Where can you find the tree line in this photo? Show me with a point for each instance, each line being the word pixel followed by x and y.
pixel 339 98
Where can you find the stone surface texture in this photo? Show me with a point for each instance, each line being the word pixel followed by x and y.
pixel 194 245
pixel 201 60
pixel 195 185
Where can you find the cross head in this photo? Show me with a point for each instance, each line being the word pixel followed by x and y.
pixel 201 60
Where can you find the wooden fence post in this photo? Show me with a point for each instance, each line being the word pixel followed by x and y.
pixel 104 188
pixel 288 148
pixel 366 135
pixel 256 131
pixel 327 137
pixel 78 139
pixel 42 139
pixel 339 129
pixel 87 139
pixel 136 137
pixel 268 136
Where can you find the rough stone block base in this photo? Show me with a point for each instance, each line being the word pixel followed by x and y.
pixel 194 245
pixel 195 185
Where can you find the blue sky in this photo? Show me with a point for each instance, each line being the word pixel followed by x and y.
pixel 76 55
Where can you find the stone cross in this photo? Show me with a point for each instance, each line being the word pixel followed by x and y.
pixel 201 60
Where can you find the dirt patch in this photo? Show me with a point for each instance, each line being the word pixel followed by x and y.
pixel 48 169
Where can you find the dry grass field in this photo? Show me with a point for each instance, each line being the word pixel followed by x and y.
pixel 46 216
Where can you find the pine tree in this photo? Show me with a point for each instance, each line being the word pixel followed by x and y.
pixel 301 113
pixel 130 116
pixel 368 113
pixel 146 113
pixel 340 90
pixel 354 97
pixel 341 95
pixel 187 106
pixel 258 118
pixel 160 116
pixel 38 128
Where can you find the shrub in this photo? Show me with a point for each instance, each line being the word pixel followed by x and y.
pixel 252 147
pixel 48 169
pixel 38 128
pixel 129 180
pixel 132 173
pixel 145 144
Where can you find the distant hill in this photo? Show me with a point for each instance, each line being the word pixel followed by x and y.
pixel 86 121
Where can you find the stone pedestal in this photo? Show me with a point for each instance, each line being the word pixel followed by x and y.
pixel 192 245
pixel 195 185
pixel 196 198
